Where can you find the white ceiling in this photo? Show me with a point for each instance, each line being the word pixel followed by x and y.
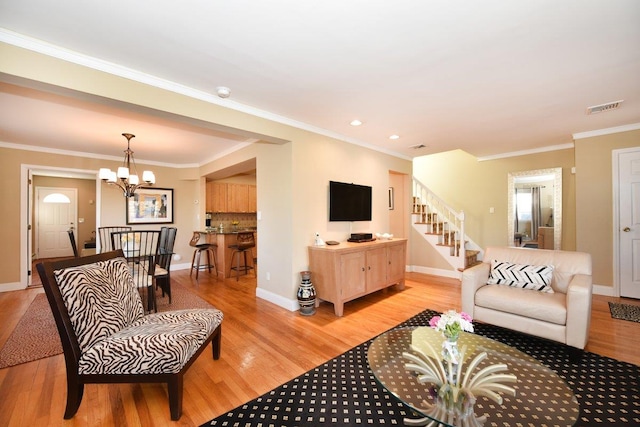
pixel 488 77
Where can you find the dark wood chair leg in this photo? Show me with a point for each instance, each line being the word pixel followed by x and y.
pixel 238 266
pixel 216 343
pixel 167 288
pixel 215 261
pixel 175 396
pixel 151 299
pixel 75 391
pixel 193 260
pixel 198 259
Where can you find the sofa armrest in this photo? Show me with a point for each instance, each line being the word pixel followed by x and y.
pixel 473 279
pixel 579 295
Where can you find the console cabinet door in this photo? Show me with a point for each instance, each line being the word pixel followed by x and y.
pixel 352 275
pixel 376 269
pixel 396 259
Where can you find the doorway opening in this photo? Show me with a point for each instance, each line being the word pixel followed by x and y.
pixel 81 182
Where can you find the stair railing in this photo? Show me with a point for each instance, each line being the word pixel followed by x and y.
pixel 445 220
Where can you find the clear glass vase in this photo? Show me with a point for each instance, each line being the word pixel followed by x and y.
pixel 451 357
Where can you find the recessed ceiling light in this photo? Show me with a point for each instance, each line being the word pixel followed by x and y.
pixel 394 137
pixel 356 122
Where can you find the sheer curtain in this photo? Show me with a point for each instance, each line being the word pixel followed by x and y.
pixel 516 218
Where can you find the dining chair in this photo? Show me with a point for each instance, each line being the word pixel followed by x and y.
pixel 72 239
pixel 104 236
pixel 162 273
pixel 140 248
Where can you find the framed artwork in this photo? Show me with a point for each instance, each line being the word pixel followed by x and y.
pixel 150 206
pixel 391 204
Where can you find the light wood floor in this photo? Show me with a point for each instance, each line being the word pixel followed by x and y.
pixel 263 346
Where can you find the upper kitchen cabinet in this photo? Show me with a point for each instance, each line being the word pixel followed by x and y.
pixel 237 197
pixel 217 197
pixel 231 197
pixel 253 198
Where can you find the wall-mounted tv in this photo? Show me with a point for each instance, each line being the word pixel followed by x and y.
pixel 349 202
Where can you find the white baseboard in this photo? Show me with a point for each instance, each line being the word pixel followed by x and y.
pixel 604 290
pixel 184 266
pixel 11 286
pixel 452 274
pixel 279 300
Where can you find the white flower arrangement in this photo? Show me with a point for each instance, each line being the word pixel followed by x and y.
pixel 451 323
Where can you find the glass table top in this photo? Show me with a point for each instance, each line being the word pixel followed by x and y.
pixel 541 398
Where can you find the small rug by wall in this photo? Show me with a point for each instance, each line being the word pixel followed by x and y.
pixel 36 336
pixel 625 311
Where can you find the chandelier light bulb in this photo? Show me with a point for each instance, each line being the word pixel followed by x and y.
pixel 149 177
pixel 123 173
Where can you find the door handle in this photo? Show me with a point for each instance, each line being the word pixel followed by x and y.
pixel 626 229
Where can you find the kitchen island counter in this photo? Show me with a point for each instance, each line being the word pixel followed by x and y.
pixel 223 252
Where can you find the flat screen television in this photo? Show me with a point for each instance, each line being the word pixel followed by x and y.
pixel 349 202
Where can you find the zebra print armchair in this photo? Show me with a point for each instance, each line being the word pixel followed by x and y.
pixel 107 338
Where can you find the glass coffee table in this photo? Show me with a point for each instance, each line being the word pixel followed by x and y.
pixel 541 398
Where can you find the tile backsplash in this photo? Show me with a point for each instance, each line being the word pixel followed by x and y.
pixel 245 220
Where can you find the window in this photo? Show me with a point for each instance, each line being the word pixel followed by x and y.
pixel 523 205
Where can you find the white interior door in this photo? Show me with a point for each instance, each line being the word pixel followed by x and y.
pixel 629 223
pixel 53 220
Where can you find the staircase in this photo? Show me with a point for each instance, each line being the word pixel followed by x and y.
pixel 443 228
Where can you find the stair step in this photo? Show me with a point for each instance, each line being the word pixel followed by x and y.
pixel 469 266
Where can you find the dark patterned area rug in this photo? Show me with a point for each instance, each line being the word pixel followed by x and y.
pixel 625 311
pixel 343 392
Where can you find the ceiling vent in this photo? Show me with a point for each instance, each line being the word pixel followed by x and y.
pixel 417 147
pixel 604 107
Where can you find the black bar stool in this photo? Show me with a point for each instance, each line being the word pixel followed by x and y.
pixel 200 243
pixel 244 243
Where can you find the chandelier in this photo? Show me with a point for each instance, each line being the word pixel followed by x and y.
pixel 126 178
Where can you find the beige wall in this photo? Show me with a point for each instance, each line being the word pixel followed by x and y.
pixel 594 199
pixel 475 186
pixel 398 216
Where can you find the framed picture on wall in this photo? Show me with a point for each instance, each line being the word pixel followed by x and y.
pixel 391 201
pixel 150 206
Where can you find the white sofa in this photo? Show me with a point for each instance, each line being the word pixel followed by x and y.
pixel 562 316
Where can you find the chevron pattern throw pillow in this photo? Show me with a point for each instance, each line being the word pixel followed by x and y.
pixel 534 277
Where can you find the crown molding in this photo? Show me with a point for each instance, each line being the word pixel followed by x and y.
pixel 606 131
pixel 566 146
